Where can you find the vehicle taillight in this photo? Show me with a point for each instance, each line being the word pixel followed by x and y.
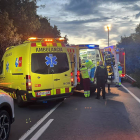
pixel 28 83
pixel 78 76
pixel 72 79
pixel 122 75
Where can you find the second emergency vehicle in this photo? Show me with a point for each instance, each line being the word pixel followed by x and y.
pixel 86 52
pixel 112 55
pixel 37 70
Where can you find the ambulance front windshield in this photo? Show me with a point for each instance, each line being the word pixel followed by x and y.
pixel 46 63
pixel 90 54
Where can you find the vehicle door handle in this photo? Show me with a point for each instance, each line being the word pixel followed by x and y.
pixel 56 79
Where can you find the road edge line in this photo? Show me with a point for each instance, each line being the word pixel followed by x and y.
pixel 24 136
pixel 132 94
pixel 41 130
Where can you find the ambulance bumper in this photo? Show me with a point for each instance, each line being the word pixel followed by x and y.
pixel 30 98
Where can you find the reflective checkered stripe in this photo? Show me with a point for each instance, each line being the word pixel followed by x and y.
pixel 85 92
pixel 62 90
pixel 13 95
pixel 70 50
pixel 44 44
pixel 23 97
pixel 53 92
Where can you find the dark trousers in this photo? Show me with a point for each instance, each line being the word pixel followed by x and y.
pixel 86 84
pixel 100 84
pixel 108 86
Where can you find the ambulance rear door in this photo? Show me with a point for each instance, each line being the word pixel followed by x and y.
pixel 74 65
pixel 41 72
pixel 61 71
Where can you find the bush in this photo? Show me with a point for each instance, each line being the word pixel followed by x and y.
pixel 136 76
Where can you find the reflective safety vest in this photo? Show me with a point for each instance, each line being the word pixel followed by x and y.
pixel 84 73
pixel 89 64
pixel 120 70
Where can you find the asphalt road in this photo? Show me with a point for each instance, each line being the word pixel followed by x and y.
pixel 79 118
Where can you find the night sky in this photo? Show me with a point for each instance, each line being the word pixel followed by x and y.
pixel 83 21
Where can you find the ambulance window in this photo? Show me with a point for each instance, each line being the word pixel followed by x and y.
pixel 58 65
pixel 1 67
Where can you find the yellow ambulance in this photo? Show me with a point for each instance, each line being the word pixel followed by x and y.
pixel 37 70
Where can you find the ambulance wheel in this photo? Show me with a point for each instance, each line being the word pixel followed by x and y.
pixel 20 101
pixel 5 124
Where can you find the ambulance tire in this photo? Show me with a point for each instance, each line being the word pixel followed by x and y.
pixel 5 115
pixel 20 102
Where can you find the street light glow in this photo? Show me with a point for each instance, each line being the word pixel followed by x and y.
pixel 108 27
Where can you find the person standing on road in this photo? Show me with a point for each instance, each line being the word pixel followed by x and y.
pixel 91 68
pixel 120 72
pixel 86 81
pixel 101 75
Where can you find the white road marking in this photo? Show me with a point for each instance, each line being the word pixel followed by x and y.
pixel 131 93
pixel 38 123
pixel 41 130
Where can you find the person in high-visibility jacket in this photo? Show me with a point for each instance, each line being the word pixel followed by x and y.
pixel 120 72
pixel 91 68
pixel 86 80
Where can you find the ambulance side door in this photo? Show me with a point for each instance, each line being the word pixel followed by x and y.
pixel 75 66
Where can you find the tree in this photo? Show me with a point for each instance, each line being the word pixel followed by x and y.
pixel 66 40
pixel 8 35
pixel 46 30
pixel 138 30
pixel 23 14
pixel 56 32
pixel 19 21
pixel 131 45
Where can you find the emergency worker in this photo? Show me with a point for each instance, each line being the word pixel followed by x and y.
pixel 91 68
pixel 101 75
pixel 113 59
pixel 86 80
pixel 108 59
pixel 120 72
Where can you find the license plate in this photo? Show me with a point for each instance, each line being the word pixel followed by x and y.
pixel 44 93
pixel 109 76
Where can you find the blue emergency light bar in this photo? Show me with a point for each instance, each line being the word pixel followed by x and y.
pixel 89 46
pixel 109 47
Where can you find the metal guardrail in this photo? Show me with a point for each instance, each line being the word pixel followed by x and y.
pixel 130 78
